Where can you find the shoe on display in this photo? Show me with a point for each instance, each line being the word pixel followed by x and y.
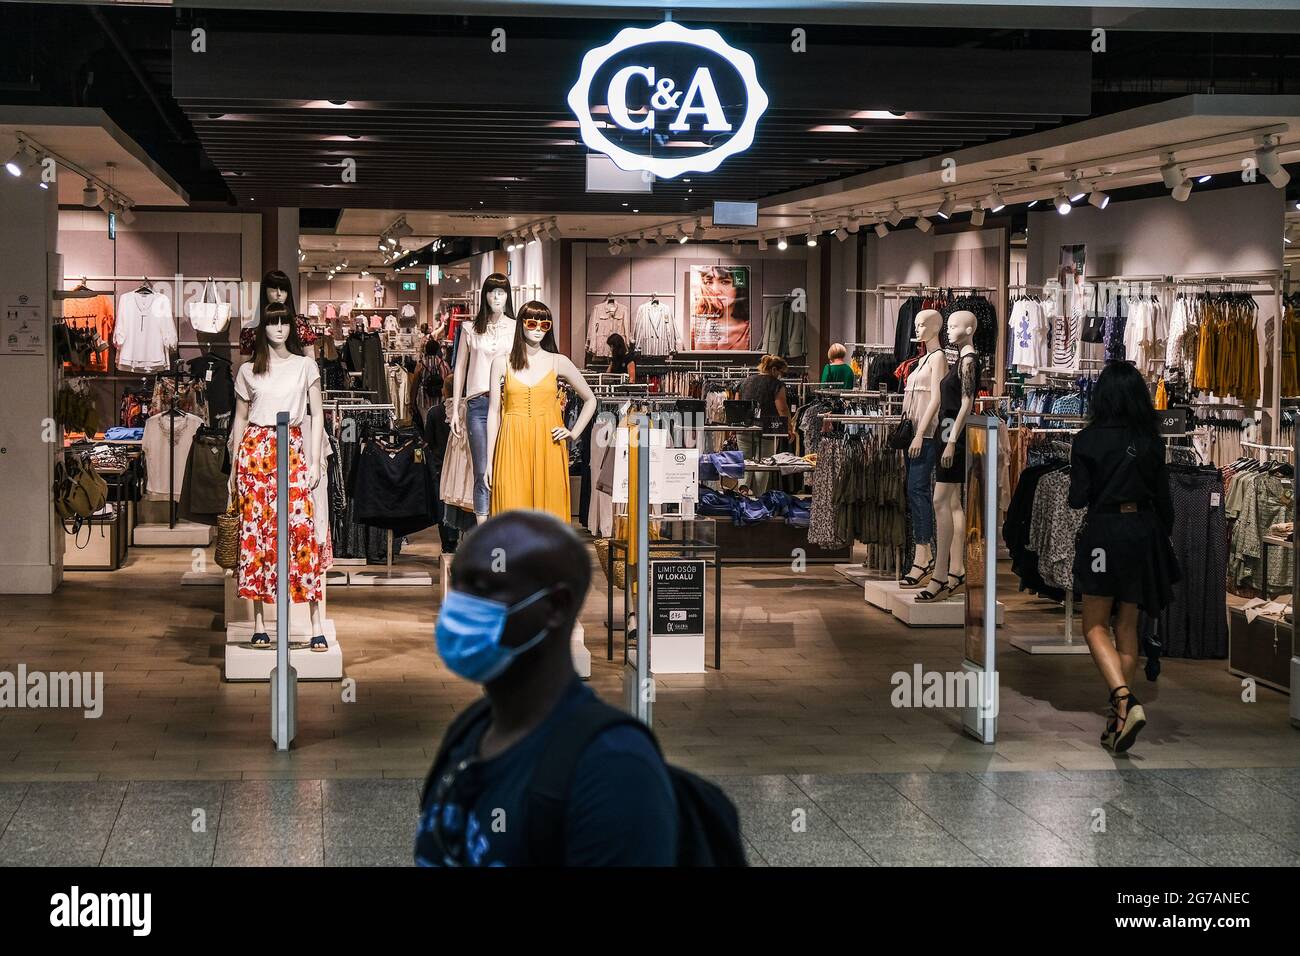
pixel 319 644
pixel 260 639
pixel 935 591
pixel 912 580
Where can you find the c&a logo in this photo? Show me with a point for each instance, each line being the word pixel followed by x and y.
pixel 678 100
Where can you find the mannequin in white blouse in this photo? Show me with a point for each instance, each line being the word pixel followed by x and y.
pixel 922 407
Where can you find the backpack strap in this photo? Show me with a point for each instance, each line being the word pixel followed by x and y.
pixel 459 727
pixel 548 791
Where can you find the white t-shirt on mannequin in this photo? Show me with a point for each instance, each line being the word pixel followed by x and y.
pixel 282 389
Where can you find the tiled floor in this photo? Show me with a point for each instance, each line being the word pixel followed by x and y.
pixel 804 689
pixel 1065 818
pixel 798 725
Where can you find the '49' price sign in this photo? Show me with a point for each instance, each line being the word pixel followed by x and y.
pixel 1175 422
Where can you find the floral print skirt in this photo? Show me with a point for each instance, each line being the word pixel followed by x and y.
pixel 256 487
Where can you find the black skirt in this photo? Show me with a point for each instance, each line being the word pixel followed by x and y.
pixel 957 473
pixel 1127 557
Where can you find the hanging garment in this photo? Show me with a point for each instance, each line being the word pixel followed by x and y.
pixel 456 483
pixel 167 439
pixel 905 328
pixel 529 468
pixel 96 315
pixel 391 485
pixel 206 490
pixel 607 318
pixel 1029 332
pixel 785 331
pixel 1065 341
pixel 655 330
pixel 144 332
pixel 213 371
pixel 256 486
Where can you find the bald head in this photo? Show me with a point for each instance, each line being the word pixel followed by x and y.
pixel 518 553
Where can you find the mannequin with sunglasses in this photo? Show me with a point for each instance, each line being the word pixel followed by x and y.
pixel 280 378
pixel 526 439
pixel 489 337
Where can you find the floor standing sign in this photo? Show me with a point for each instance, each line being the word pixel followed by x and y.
pixel 677 615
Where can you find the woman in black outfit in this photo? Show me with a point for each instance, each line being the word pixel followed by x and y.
pixel 1123 560
pixel 621 359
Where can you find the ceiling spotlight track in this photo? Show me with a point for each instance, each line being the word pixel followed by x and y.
pixel 31 154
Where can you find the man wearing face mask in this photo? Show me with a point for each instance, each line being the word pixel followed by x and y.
pixel 517 586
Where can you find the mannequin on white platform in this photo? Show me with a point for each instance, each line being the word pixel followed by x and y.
pixel 280 378
pixel 492 333
pixel 921 406
pixel 956 398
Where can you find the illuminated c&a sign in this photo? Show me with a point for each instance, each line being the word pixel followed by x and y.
pixel 678 100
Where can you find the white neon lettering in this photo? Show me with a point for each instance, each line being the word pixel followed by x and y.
pixel 616 97
pixel 701 86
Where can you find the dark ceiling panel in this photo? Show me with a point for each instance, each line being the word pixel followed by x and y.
pixel 485 131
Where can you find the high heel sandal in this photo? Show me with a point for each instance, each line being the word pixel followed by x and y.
pixel 955 583
pixel 911 580
pixel 929 596
pixel 1122 732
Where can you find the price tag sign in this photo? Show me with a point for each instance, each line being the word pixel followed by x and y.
pixel 1175 422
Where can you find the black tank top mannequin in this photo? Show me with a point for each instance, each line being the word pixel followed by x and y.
pixel 959 381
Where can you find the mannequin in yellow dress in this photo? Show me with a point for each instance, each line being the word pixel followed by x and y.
pixel 527 442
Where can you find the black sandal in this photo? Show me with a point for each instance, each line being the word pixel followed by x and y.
pixel 1124 730
pixel 318 644
pixel 260 637
pixel 910 580
pixel 960 580
pixel 929 596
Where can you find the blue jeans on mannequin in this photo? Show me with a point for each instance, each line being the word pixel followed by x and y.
pixel 920 498
pixel 476 413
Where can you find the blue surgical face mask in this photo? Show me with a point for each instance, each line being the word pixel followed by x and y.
pixel 469 634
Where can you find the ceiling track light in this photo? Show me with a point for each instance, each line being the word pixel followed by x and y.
pixel 854 221
pixel 977 215
pixel 1171 173
pixel 762 243
pixel 1098 198
pixel 922 223
pixel 90 195
pixel 993 201
pixel 841 233
pixel 1268 163
pixel 946 207
pixel 882 230
pixel 1062 203
pixel 781 243
pixel 641 243
pixel 698 232
pixel 20 161
pixel 811 239
pixel 1182 191
pixel 895 216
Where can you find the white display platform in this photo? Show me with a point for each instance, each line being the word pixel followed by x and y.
pixel 204 579
pixel 245 663
pixel 382 577
pixel 1054 644
pixel 855 573
pixel 881 593
pixel 949 613
pixel 186 533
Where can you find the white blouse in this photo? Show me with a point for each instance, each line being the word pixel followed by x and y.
pixel 495 340
pixel 282 389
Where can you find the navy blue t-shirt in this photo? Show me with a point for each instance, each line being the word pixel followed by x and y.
pixel 621 811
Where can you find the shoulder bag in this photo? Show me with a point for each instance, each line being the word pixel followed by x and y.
pixel 209 317
pixel 1094 323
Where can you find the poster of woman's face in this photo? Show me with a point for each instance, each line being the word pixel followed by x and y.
pixel 719 308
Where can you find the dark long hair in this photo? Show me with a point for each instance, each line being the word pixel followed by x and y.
pixel 617 351
pixel 262 348
pixel 495 281
pixel 275 279
pixel 1121 398
pixel 530 310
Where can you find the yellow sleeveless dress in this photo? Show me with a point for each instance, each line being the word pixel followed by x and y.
pixel 529 469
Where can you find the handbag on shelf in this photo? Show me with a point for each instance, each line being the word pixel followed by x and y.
pixel 212 317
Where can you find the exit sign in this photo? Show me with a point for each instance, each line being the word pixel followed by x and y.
pixel 408 287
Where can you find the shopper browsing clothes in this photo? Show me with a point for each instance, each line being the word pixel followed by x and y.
pixel 518 583
pixel 1123 559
